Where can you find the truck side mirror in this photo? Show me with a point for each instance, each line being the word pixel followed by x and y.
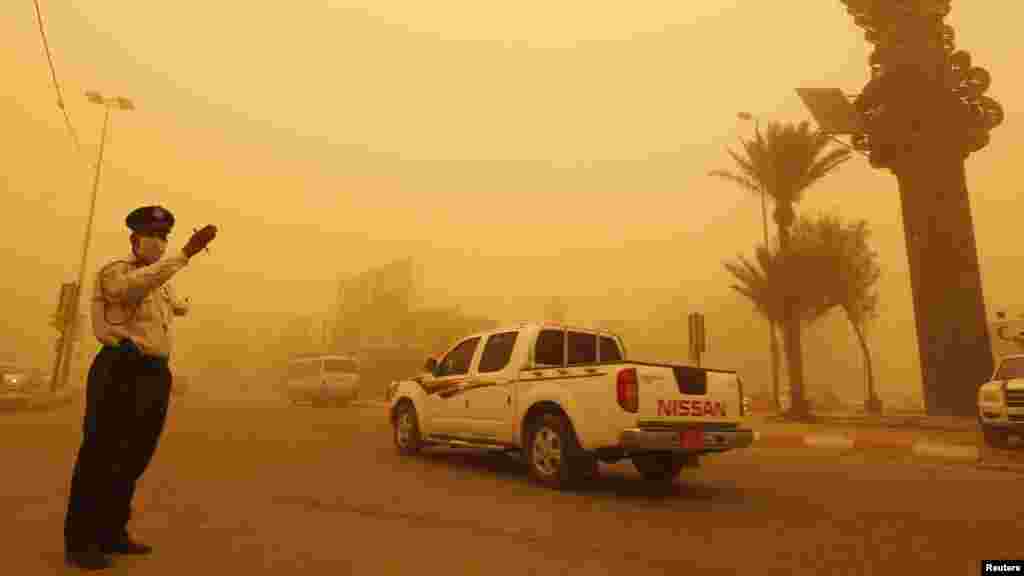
pixel 430 365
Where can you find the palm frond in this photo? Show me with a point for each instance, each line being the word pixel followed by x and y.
pixel 742 181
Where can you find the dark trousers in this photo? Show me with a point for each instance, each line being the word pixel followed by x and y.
pixel 127 397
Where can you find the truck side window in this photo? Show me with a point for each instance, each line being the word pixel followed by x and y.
pixel 582 348
pixel 550 349
pixel 457 361
pixel 497 352
pixel 610 350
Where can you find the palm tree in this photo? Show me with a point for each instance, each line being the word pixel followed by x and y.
pixel 848 271
pixel 755 284
pixel 768 280
pixel 782 163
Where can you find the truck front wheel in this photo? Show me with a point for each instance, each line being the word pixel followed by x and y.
pixel 407 430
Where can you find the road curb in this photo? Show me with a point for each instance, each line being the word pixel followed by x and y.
pixel 870 443
pixel 1003 460
pixel 946 451
pixel 840 441
pixel 371 404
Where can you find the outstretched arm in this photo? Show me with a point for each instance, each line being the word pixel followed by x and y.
pixel 121 283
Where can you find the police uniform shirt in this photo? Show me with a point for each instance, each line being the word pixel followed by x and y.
pixel 136 302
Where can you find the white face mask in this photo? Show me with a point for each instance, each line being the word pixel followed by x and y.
pixel 150 249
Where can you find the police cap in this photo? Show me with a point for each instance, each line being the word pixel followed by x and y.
pixel 149 218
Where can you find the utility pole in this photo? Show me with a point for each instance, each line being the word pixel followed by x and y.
pixel 71 319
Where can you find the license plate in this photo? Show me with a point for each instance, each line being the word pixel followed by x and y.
pixel 691 439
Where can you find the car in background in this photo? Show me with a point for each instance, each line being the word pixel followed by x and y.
pixel 1001 403
pixel 18 384
pixel 323 379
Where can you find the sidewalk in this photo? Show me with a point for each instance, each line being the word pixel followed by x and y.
pixel 36 402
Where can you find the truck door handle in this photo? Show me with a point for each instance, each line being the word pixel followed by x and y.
pixel 563 371
pixel 467 403
pixel 590 370
pixel 508 400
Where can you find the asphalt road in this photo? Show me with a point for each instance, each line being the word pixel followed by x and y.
pixel 266 488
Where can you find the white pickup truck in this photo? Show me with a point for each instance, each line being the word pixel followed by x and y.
pixel 1001 403
pixel 567 398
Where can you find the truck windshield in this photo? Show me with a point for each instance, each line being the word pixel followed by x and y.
pixel 1011 368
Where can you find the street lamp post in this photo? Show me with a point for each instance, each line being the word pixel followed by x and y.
pixel 764 211
pixel 772 341
pixel 72 319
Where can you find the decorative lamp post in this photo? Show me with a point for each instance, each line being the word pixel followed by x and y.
pixel 922 113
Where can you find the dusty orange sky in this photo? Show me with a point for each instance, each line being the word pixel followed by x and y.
pixel 518 149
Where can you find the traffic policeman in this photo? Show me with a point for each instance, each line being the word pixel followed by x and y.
pixel 128 387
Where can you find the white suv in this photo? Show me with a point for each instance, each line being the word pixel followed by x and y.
pixel 1001 403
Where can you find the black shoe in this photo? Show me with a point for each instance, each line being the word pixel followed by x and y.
pixel 87 559
pixel 125 545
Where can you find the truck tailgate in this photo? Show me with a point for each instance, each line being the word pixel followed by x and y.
pixel 676 393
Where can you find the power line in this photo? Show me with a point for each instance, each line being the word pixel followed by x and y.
pixel 53 76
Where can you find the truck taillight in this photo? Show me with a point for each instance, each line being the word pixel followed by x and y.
pixel 627 392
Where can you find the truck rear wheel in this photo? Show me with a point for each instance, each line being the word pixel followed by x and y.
pixel 659 467
pixel 553 454
pixel 995 437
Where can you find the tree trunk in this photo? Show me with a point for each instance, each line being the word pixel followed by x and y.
pixel 791 341
pixel 871 400
pixel 773 343
pixel 949 311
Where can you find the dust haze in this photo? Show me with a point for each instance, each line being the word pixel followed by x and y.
pixel 515 153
